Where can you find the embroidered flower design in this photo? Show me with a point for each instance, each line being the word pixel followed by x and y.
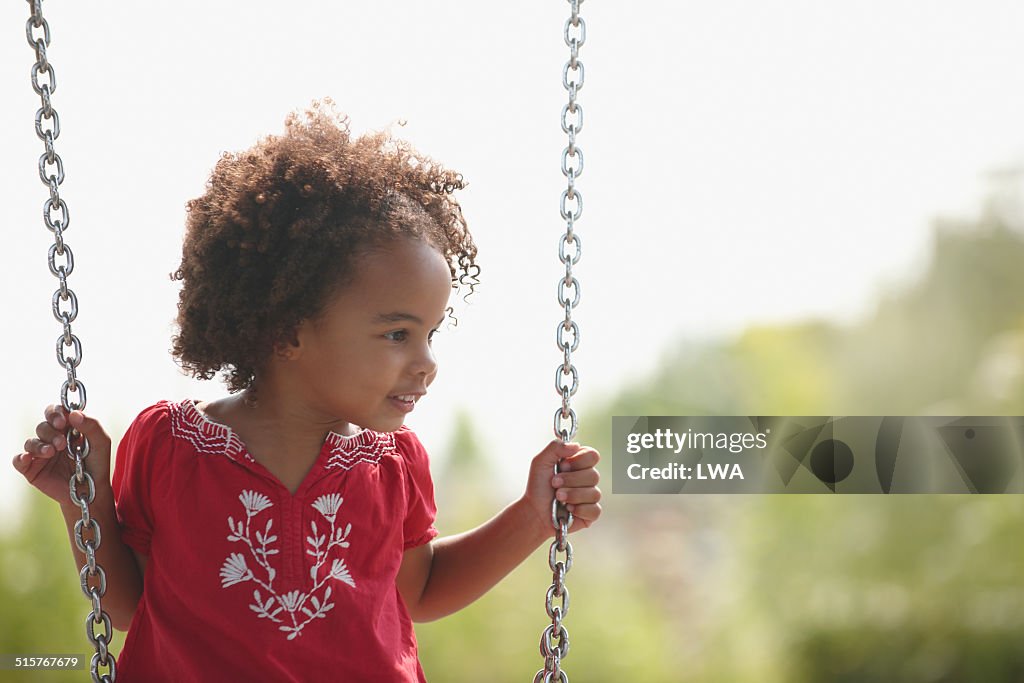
pixel 234 570
pixel 299 607
pixel 340 572
pixel 254 502
pixel 327 505
pixel 291 601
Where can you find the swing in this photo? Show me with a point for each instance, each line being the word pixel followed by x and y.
pixel 554 641
pixel 57 218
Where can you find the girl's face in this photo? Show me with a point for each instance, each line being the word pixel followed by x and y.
pixel 367 359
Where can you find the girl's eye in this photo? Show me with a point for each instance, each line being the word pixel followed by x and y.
pixel 403 335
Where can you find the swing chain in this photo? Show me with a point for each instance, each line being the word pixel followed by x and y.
pixel 571 209
pixel 554 641
pixel 64 305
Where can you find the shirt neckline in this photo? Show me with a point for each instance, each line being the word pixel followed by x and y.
pixel 234 444
pixel 337 451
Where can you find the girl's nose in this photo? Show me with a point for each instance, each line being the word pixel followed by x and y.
pixel 425 363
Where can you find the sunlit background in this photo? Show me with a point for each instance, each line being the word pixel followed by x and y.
pixel 790 208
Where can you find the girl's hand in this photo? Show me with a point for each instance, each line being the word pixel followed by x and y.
pixel 575 485
pixel 47 468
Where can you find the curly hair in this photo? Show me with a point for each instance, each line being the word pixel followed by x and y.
pixel 281 225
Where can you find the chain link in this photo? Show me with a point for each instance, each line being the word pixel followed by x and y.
pixel 64 304
pixel 554 641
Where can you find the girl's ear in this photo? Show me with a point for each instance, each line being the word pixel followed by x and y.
pixel 288 347
pixel 284 352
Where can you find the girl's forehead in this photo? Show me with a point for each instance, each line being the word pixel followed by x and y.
pixel 403 260
pixel 410 276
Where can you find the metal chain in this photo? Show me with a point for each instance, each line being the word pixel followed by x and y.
pixel 554 641
pixel 69 347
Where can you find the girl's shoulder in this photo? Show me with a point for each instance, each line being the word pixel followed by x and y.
pixel 167 420
pixel 406 441
pixel 155 417
pixel 166 415
pixel 412 452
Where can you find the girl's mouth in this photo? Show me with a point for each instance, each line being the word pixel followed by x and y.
pixel 404 402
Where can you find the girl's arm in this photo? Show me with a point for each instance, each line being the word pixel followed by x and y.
pixel 46 468
pixel 123 571
pixel 442 577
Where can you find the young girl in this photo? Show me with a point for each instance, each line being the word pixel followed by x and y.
pixel 286 532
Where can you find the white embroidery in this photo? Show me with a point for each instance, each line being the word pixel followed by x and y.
pixel 366 446
pixel 254 502
pixel 328 505
pixel 293 603
pixel 205 435
pixel 234 570
pixel 213 438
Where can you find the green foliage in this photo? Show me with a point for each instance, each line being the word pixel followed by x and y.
pixel 849 588
pixel 44 610
pixel 930 349
pixel 874 588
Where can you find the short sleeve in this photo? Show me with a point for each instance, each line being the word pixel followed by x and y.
pixel 420 511
pixel 134 474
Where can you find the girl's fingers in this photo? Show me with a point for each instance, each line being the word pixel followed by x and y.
pixel 28 466
pixel 89 426
pixel 47 434
pixel 39 448
pixel 580 460
pixel 588 477
pixel 55 416
pixel 585 514
pixel 21 461
pixel 578 496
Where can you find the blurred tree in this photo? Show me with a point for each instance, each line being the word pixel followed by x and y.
pixel 462 484
pixel 924 345
pixel 849 588
pixel 44 610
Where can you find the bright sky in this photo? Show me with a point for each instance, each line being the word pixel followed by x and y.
pixel 745 161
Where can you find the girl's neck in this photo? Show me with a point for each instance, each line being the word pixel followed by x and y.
pixel 282 413
pixel 281 440
pixel 273 429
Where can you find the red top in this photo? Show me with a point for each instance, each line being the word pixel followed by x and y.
pixel 247 582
